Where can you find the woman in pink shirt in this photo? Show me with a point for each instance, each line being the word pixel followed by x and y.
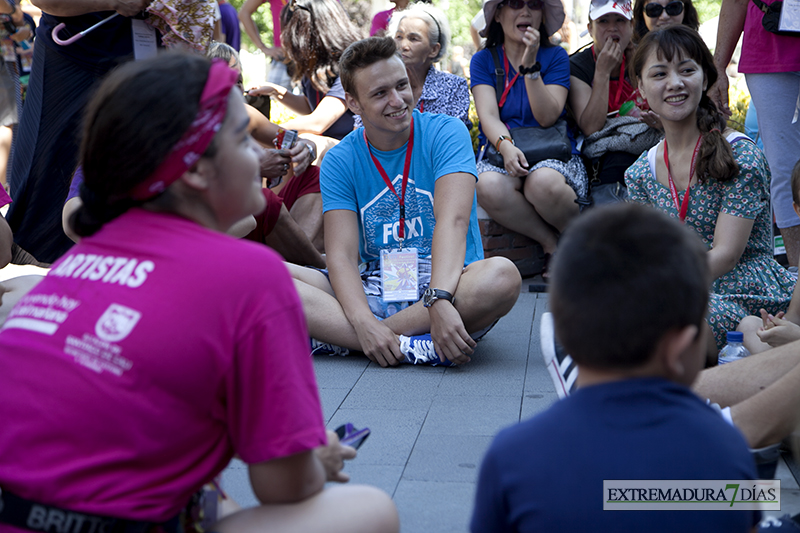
pixel 158 347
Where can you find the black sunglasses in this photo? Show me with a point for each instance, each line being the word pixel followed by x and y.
pixel 654 10
pixel 518 4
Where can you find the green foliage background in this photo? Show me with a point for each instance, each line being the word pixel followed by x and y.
pixel 459 13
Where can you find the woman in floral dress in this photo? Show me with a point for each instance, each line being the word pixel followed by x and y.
pixel 714 179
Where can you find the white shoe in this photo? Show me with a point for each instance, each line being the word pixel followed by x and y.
pixel 562 369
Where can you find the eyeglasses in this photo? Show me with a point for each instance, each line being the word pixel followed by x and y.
pixel 519 4
pixel 654 9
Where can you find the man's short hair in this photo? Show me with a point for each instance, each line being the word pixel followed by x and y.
pixel 362 54
pixel 624 276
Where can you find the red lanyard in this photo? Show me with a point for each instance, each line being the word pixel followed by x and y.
pixel 421 105
pixel 401 231
pixel 507 85
pixel 683 206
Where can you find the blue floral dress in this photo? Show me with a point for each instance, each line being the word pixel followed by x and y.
pixel 757 280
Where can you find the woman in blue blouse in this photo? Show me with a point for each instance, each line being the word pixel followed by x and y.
pixel 536 200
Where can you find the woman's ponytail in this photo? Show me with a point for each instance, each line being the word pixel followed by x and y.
pixel 715 158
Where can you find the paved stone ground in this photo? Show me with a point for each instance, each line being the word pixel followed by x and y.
pixel 431 426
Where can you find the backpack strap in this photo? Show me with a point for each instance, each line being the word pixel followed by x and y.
pixel 762 6
pixel 499 73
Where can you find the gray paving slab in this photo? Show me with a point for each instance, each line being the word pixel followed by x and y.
pixel 393 433
pixel 534 403
pixel 500 377
pixel 236 484
pixel 449 458
pixel 434 506
pixel 385 477
pixel 471 415
pixel 331 400
pixel 339 372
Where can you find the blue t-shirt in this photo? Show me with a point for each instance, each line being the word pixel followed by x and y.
pixel 546 474
pixel 343 124
pixel 349 180
pixel 516 111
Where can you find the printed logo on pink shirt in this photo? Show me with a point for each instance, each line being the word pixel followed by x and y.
pixel 116 323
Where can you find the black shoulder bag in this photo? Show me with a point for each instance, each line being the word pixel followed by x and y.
pixel 537 143
pixel 772 17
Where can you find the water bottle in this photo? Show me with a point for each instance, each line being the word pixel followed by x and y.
pixel 734 349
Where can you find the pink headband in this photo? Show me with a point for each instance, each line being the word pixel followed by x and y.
pixel 196 139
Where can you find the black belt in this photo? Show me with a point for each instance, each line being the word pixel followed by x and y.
pixel 33 516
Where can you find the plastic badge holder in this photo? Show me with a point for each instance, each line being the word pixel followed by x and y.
pixel 350 436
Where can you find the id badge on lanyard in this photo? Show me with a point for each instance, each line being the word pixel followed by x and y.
pixel 144 40
pixel 399 267
pixel 400 275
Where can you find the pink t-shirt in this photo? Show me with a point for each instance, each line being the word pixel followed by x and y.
pixel 5 199
pixel 380 21
pixel 763 51
pixel 276 6
pixel 150 354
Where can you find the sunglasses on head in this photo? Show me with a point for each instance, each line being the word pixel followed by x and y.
pixel 519 4
pixel 654 10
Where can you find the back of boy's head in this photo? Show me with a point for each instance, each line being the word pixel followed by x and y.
pixel 623 277
pixel 362 54
pixel 796 184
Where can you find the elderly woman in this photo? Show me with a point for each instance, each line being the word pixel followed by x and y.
pixel 422 34
pixel 534 198
pixel 651 14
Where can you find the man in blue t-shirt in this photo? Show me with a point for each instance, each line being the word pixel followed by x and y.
pixel 633 416
pixel 401 232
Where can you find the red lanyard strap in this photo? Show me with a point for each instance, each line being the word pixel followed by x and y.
pixel 506 85
pixel 683 206
pixel 401 231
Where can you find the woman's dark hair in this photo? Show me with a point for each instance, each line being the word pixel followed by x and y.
pixel 715 158
pixel 139 112
pixel 690 18
pixel 314 33
pixel 495 35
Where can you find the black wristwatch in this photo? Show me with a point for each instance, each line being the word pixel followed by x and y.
pixel 430 296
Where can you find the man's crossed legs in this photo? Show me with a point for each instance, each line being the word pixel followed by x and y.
pixel 487 290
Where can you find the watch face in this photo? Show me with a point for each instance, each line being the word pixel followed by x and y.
pixel 428 297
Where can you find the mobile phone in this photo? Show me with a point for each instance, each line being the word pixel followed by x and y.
pixel 350 436
pixel 286 139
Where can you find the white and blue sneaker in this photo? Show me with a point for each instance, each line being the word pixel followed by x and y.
pixel 419 350
pixel 563 370
pixel 324 348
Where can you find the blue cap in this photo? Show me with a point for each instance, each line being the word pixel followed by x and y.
pixel 735 336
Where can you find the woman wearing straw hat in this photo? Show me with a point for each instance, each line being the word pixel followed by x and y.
pixel 537 200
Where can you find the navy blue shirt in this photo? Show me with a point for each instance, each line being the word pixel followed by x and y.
pixel 344 124
pixel 546 474
pixel 99 50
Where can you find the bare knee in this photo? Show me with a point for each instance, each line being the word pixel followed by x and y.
pixel 499 284
pixel 493 190
pixel 547 185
